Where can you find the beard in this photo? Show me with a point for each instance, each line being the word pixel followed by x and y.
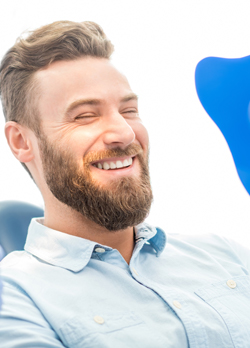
pixel 123 203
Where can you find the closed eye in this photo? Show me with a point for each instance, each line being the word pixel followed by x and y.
pixel 130 112
pixel 84 116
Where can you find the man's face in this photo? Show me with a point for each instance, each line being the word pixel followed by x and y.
pixel 93 146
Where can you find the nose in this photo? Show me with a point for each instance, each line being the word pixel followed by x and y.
pixel 117 131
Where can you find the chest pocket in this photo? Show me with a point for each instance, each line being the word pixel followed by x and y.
pixel 231 300
pixel 95 330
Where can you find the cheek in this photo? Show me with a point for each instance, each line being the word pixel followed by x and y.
pixel 81 140
pixel 141 134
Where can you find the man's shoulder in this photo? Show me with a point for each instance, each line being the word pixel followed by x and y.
pixel 201 240
pixel 218 246
pixel 208 241
pixel 16 260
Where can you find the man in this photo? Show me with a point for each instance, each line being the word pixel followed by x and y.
pixel 92 273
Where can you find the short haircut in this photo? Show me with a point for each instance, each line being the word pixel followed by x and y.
pixel 61 40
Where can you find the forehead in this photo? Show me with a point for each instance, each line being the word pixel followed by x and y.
pixel 65 81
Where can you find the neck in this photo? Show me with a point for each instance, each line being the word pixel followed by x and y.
pixel 64 219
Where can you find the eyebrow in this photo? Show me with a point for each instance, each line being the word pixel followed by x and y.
pixel 131 96
pixel 81 102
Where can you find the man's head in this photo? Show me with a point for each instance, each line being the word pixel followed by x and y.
pixel 62 40
pixel 76 123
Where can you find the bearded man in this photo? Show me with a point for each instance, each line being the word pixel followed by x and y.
pixel 93 273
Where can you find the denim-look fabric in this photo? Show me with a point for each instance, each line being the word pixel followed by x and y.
pixel 178 291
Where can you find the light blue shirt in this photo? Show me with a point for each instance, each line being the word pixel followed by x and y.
pixel 178 291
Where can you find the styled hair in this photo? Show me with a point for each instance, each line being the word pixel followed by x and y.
pixel 61 40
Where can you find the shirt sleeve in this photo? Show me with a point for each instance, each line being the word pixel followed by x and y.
pixel 22 324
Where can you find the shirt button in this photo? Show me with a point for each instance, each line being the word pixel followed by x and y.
pixel 100 250
pixel 177 304
pixel 134 270
pixel 231 283
pixel 98 319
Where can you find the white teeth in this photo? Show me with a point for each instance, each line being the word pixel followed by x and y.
pixel 112 165
pixel 105 166
pixel 119 164
pixel 125 163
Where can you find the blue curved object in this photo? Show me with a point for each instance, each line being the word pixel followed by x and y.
pixel 223 87
pixel 15 218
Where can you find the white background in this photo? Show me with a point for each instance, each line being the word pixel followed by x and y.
pixel 157 45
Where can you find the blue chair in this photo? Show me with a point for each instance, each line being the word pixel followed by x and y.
pixel 2 253
pixel 15 218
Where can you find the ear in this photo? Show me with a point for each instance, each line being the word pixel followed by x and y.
pixel 19 140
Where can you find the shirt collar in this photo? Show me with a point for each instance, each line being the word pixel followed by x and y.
pixel 73 253
pixel 154 236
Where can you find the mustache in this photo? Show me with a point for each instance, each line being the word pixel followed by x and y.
pixel 130 150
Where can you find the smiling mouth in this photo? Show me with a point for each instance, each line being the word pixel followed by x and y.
pixel 111 165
